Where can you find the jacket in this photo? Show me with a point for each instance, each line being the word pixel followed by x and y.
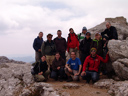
pixel 37 43
pixel 60 63
pixel 93 64
pixel 61 44
pixel 40 67
pixel 48 48
pixel 98 44
pixel 111 33
pixel 85 46
pixel 72 41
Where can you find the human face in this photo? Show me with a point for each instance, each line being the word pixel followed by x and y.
pixel 71 30
pixel 59 33
pixel 40 35
pixel 57 56
pixel 49 38
pixel 73 55
pixel 43 58
pixel 97 36
pixel 93 53
pixel 108 25
pixel 84 31
pixel 88 36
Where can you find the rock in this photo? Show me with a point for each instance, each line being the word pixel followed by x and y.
pixel 115 88
pixel 65 94
pixel 119 22
pixel 104 83
pixel 118 49
pixel 71 85
pixel 121 68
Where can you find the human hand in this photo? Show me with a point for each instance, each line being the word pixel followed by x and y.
pixel 70 70
pixel 83 73
pixel 40 73
pixel 39 50
pixel 58 68
pixel 76 74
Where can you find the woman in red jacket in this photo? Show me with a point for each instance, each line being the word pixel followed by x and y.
pixel 73 43
pixel 91 66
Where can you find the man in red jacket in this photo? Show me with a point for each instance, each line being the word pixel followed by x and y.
pixel 91 66
pixel 73 43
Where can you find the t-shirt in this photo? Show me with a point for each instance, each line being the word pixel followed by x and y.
pixel 74 64
pixel 81 36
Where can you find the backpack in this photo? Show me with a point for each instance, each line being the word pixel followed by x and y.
pixel 33 66
pixel 79 36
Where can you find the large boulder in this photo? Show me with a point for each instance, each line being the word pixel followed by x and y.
pixel 119 22
pixel 115 88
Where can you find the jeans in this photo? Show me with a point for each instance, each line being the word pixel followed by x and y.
pixel 59 73
pixel 62 54
pixel 90 75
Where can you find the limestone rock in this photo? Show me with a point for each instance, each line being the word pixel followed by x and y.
pixel 121 68
pixel 71 85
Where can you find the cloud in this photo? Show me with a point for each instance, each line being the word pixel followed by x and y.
pixel 21 21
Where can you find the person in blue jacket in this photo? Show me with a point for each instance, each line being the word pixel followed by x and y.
pixel 37 46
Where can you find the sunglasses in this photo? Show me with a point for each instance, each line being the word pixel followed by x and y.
pixel 93 51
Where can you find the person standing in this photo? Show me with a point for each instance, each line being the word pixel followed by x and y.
pixel 61 44
pixel 37 46
pixel 110 31
pixel 73 68
pixel 81 36
pixel 85 46
pixel 72 43
pixel 48 48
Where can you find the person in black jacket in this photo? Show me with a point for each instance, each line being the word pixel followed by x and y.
pixel 58 65
pixel 110 31
pixel 85 47
pixel 61 44
pixel 41 70
pixel 37 46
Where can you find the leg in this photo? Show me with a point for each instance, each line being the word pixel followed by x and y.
pixel 37 56
pixel 61 73
pixel 94 76
pixel 77 53
pixel 54 75
pixel 87 77
pixel 62 54
pixel 46 74
pixel 75 78
pixel 68 74
pixel 51 60
pixel 39 78
pixel 48 61
pixel 70 50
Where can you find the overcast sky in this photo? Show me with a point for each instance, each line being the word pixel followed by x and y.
pixel 22 20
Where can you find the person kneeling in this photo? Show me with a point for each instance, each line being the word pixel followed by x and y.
pixel 91 66
pixel 58 65
pixel 41 70
pixel 73 68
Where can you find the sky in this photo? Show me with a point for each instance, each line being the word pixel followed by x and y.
pixel 22 20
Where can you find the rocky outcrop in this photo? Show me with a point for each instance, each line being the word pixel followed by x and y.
pixel 115 88
pixel 118 54
pixel 119 22
pixel 4 59
pixel 16 80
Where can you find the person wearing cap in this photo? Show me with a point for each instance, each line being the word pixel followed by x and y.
pixel 72 43
pixel 61 44
pixel 110 31
pixel 85 45
pixel 37 46
pixel 48 49
pixel 81 36
pixel 91 66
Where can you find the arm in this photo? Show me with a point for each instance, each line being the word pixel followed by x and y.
pixel 54 66
pixel 85 64
pixel 81 46
pixel 115 36
pixel 34 45
pixel 65 44
pixel 43 49
pixel 106 59
pixel 102 33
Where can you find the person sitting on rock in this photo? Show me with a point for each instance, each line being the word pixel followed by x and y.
pixel 58 65
pixel 110 31
pixel 91 66
pixel 41 70
pixel 73 68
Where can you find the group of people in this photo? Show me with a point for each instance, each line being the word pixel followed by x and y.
pixel 87 56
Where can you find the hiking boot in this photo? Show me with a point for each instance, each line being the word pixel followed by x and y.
pixel 69 79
